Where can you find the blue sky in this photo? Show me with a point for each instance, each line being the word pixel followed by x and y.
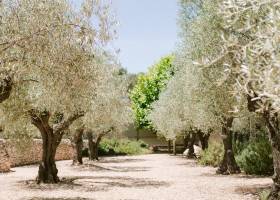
pixel 147 31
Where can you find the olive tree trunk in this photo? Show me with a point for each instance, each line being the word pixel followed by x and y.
pixel 191 141
pixel 273 126
pixel 186 141
pixel 169 146
pixel 93 144
pixel 77 144
pixel 51 137
pixel 228 164
pixel 174 147
pixel 204 138
pixel 47 169
pixel 6 85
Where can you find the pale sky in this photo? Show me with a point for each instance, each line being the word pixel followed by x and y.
pixel 147 31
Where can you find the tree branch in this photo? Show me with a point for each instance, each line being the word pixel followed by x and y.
pixel 40 120
pixel 106 132
pixel 9 44
pixel 66 123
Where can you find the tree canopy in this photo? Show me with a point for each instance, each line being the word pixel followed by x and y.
pixel 147 90
pixel 228 66
pixel 53 62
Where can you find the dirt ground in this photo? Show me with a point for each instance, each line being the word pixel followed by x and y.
pixel 146 177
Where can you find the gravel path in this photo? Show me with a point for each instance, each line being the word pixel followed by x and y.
pixel 146 177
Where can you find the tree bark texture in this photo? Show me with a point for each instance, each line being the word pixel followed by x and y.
pixel 191 140
pixel 93 144
pixel 77 143
pixel 228 164
pixel 6 85
pixel 204 138
pixel 51 137
pixel 169 146
pixel 273 125
pixel 174 147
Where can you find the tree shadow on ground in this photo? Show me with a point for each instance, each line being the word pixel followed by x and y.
pixel 94 183
pixel 246 176
pixel 98 167
pixel 120 160
pixel 242 175
pixel 254 190
pixel 130 169
pixel 91 167
pixel 189 163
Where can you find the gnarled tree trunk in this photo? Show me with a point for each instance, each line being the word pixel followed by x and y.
pixel 6 85
pixel 191 140
pixel 93 144
pixel 47 170
pixel 204 138
pixel 169 146
pixel 228 164
pixel 77 144
pixel 273 126
pixel 51 137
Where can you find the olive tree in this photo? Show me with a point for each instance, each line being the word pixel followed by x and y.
pixel 59 50
pixel 250 33
pixel 209 100
pixel 181 110
pixel 110 112
pixel 248 56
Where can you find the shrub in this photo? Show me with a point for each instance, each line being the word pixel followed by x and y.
pixel 256 158
pixel 143 144
pixel 213 155
pixel 107 146
pixel 122 147
pixel 240 142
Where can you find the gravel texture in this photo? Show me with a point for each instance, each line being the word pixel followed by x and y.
pixel 146 177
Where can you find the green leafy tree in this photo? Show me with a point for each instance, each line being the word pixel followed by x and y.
pixel 147 90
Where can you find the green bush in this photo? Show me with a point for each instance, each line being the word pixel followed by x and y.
pixel 122 147
pixel 213 155
pixel 240 142
pixel 143 144
pixel 107 146
pixel 256 158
